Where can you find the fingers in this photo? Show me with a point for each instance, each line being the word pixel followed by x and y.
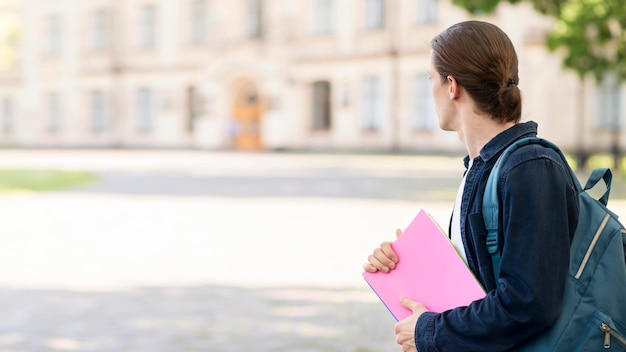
pixel 369 268
pixel 376 265
pixel 383 259
pixel 415 307
pixel 386 254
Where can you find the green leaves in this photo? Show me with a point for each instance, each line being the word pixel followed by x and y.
pixel 478 6
pixel 590 33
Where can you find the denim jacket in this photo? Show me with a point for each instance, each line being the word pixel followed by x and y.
pixel 538 216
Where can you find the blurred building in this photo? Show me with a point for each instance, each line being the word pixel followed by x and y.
pixel 265 74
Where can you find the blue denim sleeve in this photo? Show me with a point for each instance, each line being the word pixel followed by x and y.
pixel 424 336
pixel 537 213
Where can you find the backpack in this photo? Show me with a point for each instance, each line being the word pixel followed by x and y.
pixel 593 316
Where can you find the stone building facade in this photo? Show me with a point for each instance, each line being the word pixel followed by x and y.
pixel 266 75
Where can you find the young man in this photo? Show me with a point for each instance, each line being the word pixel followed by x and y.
pixel 474 74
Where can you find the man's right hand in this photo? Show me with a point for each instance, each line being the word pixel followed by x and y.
pixel 383 258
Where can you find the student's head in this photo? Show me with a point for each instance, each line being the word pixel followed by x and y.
pixel 482 60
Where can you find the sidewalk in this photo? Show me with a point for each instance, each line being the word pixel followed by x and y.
pixel 184 251
pixel 189 251
pixel 202 318
pixel 202 275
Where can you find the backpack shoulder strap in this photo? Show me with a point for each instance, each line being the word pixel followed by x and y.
pixel 490 197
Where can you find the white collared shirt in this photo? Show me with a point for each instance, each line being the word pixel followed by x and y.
pixel 455 228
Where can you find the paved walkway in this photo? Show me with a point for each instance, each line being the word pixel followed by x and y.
pixel 196 251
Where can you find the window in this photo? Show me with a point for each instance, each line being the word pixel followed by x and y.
pixel 145 110
pixel 100 40
pixel 372 107
pixel 424 116
pixel 608 105
pixel 194 107
pixel 199 21
pixel 374 14
pixel 54 112
pixel 323 17
pixel 53 35
pixel 7 116
pixel 148 26
pixel 255 19
pixel 98 111
pixel 425 11
pixel 321 106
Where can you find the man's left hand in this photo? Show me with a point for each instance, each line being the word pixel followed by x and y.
pixel 405 329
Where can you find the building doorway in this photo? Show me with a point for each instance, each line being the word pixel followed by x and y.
pixel 246 123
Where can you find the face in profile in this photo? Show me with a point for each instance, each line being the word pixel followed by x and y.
pixel 441 97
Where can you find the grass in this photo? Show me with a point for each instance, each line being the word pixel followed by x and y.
pixel 34 180
pixel 618 185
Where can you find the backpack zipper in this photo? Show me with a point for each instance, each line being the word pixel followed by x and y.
pixel 608 332
pixel 591 246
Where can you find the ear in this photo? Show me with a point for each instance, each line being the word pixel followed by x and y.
pixel 454 89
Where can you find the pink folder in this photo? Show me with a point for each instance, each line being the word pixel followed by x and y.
pixel 429 270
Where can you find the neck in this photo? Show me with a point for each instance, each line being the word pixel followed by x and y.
pixel 478 130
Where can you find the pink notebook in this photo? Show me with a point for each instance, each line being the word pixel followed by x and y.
pixel 429 271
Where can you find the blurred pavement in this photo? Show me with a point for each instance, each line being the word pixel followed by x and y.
pixel 208 251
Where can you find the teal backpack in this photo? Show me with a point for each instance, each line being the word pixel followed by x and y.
pixel 593 317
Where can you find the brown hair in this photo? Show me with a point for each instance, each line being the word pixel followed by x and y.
pixel 482 59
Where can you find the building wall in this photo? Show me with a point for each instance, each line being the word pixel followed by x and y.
pixel 100 82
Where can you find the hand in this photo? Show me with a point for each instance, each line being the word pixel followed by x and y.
pixel 383 258
pixel 405 329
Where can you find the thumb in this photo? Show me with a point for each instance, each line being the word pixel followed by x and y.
pixel 410 304
pixel 398 233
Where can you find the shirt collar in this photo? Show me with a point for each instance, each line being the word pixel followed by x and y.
pixel 504 139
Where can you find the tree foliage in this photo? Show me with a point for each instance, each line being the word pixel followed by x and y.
pixel 591 33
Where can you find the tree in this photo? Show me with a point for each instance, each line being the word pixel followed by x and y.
pixel 592 36
pixel 591 33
